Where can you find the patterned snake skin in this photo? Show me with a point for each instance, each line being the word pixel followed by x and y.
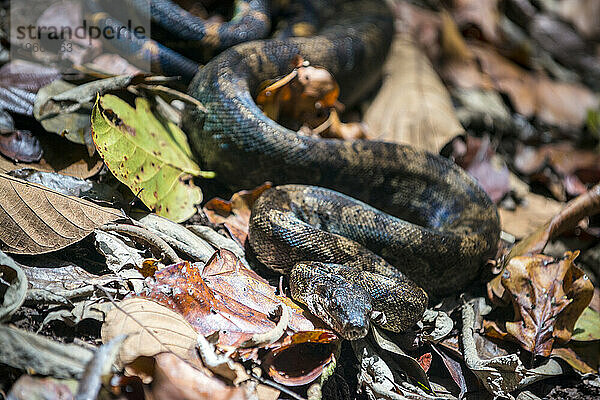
pixel 348 262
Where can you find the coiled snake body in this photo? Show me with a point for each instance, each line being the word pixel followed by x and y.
pixel 347 261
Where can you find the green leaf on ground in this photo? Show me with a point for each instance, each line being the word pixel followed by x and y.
pixel 587 327
pixel 150 156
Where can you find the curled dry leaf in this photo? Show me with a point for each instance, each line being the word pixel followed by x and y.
pixel 423 115
pixel 13 296
pixel 548 296
pixel 235 213
pixel 151 328
pixel 300 358
pixel 223 296
pixel 35 219
pixel 21 146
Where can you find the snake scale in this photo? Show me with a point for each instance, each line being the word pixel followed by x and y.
pixel 425 225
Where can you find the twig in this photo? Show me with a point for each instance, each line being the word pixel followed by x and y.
pixel 145 235
pixel 277 386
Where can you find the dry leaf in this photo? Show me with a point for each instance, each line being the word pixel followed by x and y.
pixel 152 329
pixel 223 296
pixel 483 14
pixel 584 14
pixel 548 295
pixel 583 357
pixel 413 105
pixel 60 155
pixel 174 379
pixel 531 213
pixel 235 213
pixel 35 219
pixel 556 103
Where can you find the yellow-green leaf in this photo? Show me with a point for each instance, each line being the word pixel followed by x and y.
pixel 150 156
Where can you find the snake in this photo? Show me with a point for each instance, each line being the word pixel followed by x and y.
pixel 365 231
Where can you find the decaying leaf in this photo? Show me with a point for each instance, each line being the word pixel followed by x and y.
pixel 582 356
pixel 571 167
pixel 151 157
pixel 28 387
pixel 422 115
pixel 82 310
pixel 563 220
pixel 548 296
pixel 483 14
pixel 556 103
pixel 300 358
pixel 35 219
pixel 20 146
pixel 27 351
pixel 175 379
pixel 13 296
pixel 235 213
pixel 151 328
pixel 20 80
pixel 62 156
pixel 499 374
pixel 528 215
pixel 587 327
pixel 223 296
pixel 71 120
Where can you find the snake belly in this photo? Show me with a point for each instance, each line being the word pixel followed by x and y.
pixel 425 225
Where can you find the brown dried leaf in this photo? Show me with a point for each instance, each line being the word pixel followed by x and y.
pixel 174 379
pixel 20 146
pixel 528 215
pixel 234 214
pixel 62 156
pixel 584 14
pixel 583 357
pixel 151 328
pixel 556 103
pixel 483 14
pixel 422 115
pixel 547 295
pixel 35 219
pixel 222 296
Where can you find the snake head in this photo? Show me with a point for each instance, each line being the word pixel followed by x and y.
pixel 343 305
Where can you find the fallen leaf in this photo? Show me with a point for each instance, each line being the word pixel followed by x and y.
pixel 55 278
pixel 175 379
pixel 234 214
pixel 483 14
pixel 587 327
pixel 548 296
pixel 82 310
pixel 301 357
pixel 584 14
pixel 573 166
pixel 479 159
pixel 556 103
pixel 222 296
pixel 27 351
pixel 69 120
pixel 421 24
pixel 582 356
pixel 423 115
pixel 562 220
pixel 20 146
pixel 151 328
pixel 35 219
pixel 62 156
pixel 153 159
pixel 13 296
pixel 499 374
pixel 28 387
pixel 529 215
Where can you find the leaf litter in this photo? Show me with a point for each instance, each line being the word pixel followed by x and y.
pixel 519 87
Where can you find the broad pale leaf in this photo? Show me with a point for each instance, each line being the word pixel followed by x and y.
pixel 413 106
pixel 151 157
pixel 35 219
pixel 151 328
